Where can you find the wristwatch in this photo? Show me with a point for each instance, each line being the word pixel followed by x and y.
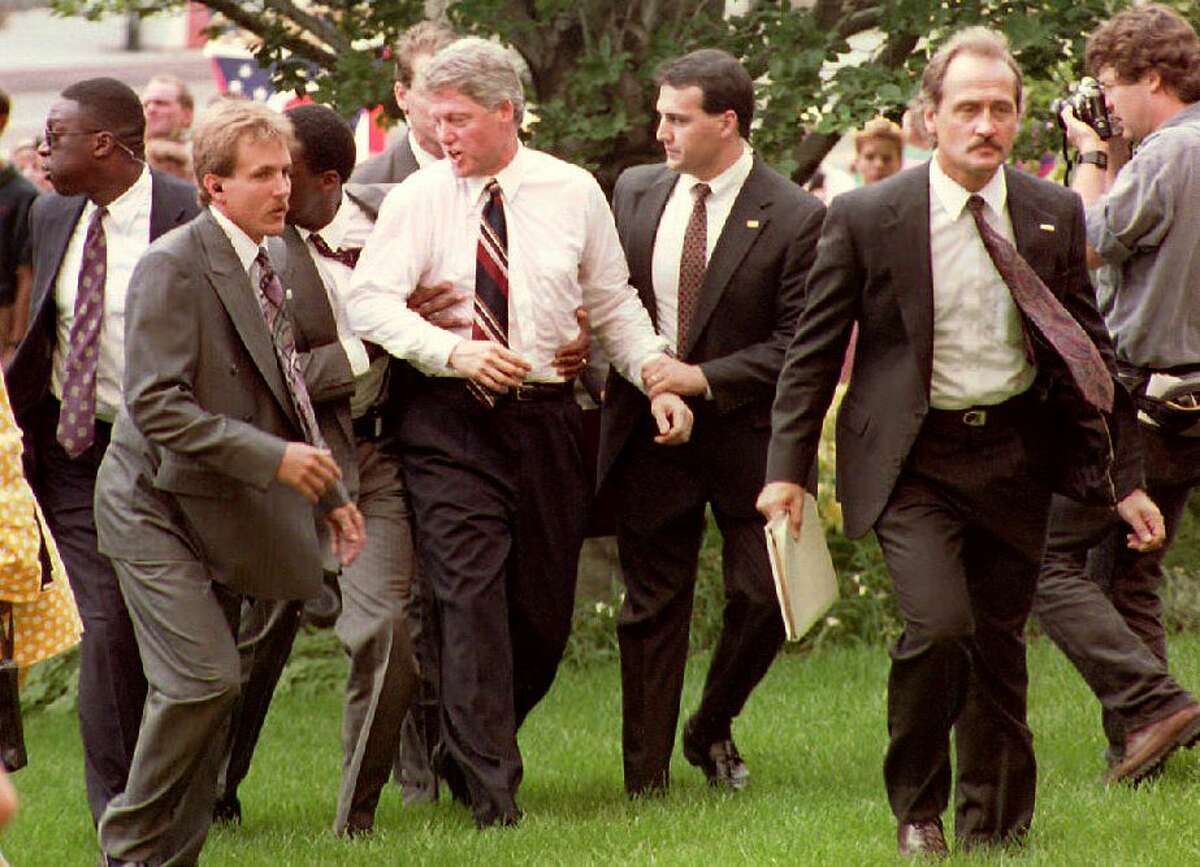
pixel 1097 158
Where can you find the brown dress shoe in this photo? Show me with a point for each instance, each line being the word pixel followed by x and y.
pixel 720 761
pixel 922 838
pixel 1148 747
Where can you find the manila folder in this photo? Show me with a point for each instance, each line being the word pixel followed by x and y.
pixel 805 581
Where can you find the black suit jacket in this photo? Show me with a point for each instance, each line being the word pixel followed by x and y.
pixel 52 221
pixel 752 293
pixel 873 267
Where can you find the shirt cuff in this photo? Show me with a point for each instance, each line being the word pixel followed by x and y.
pixel 356 354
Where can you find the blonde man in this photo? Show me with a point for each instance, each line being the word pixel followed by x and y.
pixel 218 475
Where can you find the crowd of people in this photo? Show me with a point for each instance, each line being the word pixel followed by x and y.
pixel 247 371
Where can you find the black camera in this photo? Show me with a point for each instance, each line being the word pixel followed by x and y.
pixel 1087 101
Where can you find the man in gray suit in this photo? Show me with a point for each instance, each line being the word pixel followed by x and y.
pixel 208 489
pixel 418 146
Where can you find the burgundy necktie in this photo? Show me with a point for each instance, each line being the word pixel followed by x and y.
pixel 270 299
pixel 348 256
pixel 77 417
pixel 692 264
pixel 1047 314
pixel 491 281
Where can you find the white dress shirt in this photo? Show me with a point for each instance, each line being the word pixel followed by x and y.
pixel 668 242
pixel 350 227
pixel 978 344
pixel 563 252
pixel 127 235
pixel 243 247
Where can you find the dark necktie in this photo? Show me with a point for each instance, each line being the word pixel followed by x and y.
pixel 348 256
pixel 77 417
pixel 491 280
pixel 1047 314
pixel 270 299
pixel 692 264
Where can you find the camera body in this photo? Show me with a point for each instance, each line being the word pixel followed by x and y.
pixel 1087 101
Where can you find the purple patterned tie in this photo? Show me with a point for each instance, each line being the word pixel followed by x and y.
pixel 348 256
pixel 693 262
pixel 1047 314
pixel 270 299
pixel 77 416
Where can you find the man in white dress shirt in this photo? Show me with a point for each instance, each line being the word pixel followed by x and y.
pixel 963 413
pixel 491 434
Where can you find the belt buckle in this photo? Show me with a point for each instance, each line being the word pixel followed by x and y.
pixel 975 417
pixel 523 392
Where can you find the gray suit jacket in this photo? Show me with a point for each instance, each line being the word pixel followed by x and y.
pixel 873 267
pixel 191 468
pixel 390 167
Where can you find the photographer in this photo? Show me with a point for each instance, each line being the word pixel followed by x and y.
pixel 1142 220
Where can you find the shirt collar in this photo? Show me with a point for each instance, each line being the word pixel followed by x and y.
pixel 125 208
pixel 422 156
pixel 243 246
pixel 952 196
pixel 509 177
pixel 729 181
pixel 333 232
pixel 1188 114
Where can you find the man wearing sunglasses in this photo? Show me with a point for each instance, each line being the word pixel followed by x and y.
pixel 66 376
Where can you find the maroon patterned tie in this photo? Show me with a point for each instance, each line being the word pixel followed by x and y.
pixel 270 299
pixel 1047 314
pixel 348 256
pixel 491 281
pixel 692 264
pixel 77 417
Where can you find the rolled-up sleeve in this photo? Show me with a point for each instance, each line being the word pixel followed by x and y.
pixel 1138 211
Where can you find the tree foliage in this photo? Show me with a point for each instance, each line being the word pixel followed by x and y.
pixel 825 66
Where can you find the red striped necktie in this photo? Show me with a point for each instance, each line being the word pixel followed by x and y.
pixel 491 280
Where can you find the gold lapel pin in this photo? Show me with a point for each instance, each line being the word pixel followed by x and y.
pixel 1046 227
pixel 752 224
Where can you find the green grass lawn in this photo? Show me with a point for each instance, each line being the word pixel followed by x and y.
pixel 813 736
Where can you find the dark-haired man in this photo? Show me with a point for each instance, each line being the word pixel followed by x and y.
pixel 719 246
pixel 981 382
pixel 1142 221
pixel 65 379
pixel 419 145
pixel 16 268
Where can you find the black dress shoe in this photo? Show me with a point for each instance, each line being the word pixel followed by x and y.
pixel 359 825
pixel 227 811
pixel 720 760
pixel 922 838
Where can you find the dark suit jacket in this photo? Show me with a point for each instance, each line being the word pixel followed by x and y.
pixel 52 220
pixel 327 372
pixel 194 453
pixel 873 266
pixel 752 293
pixel 390 167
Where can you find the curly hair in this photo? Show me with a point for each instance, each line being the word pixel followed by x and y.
pixel 1144 39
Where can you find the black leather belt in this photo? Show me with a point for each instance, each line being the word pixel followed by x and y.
pixel 368 428
pixel 979 418
pixel 535 391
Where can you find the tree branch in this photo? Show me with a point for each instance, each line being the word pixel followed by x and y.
pixel 294 43
pixel 318 27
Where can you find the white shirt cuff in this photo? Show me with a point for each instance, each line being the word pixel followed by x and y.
pixel 356 353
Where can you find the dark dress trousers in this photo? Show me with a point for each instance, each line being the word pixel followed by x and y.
pixel 112 688
pixel 747 306
pixel 959 508
pixel 191 512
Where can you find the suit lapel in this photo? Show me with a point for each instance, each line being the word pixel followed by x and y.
pixel 646 215
pixel 907 229
pixel 747 220
pixel 233 287
pixel 51 250
pixel 165 214
pixel 310 310
pixel 1034 229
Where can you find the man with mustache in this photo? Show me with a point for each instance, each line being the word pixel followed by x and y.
pixel 979 386
pixel 1143 222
